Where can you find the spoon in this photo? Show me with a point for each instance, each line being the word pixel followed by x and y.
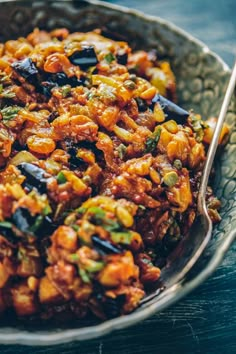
pixel 201 202
pixel 190 248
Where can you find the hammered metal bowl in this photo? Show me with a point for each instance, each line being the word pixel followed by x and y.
pixel 201 77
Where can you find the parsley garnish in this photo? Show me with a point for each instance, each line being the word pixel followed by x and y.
pixel 152 140
pixel 9 113
pixel 38 222
pixel 109 58
pixel 121 151
pixel 61 178
pixel 6 93
pixel 84 276
pixel 121 237
pixel 6 224
pixel 198 126
pixel 66 90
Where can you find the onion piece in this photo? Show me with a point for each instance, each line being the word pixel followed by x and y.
pixel 22 156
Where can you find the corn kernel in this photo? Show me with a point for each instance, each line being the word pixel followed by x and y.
pixel 124 216
pixel 33 283
pixel 149 93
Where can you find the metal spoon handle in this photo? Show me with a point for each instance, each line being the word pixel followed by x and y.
pixel 215 139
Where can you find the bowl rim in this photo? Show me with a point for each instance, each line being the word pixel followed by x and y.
pixel 176 291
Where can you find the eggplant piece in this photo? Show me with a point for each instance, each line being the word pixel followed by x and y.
pixel 22 219
pixel 57 80
pixel 84 58
pixel 171 110
pixel 61 79
pixel 34 176
pixel 75 161
pixel 72 149
pixel 45 88
pixel 53 115
pixel 25 222
pixel 26 68
pixel 46 228
pixel 122 58
pixel 105 247
pixel 8 233
pixel 142 105
pixel 112 307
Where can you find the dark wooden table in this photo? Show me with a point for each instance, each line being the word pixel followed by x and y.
pixel 205 321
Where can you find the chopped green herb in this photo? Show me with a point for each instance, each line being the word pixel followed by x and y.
pixel 4 78
pixel 177 164
pixel 81 210
pixel 47 210
pixel 9 113
pixel 6 224
pixel 152 140
pixel 61 178
pixel 109 58
pixel 84 276
pixel 111 225
pixel 75 227
pixel 142 207
pixel 121 237
pixel 74 257
pixel 121 151
pixel 170 178
pixel 198 127
pixel 66 90
pixel 37 224
pixel 94 266
pixel 6 93
pixel 97 213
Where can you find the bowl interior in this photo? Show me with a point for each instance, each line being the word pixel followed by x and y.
pixel 201 81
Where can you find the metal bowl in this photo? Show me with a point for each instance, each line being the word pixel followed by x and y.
pixel 201 80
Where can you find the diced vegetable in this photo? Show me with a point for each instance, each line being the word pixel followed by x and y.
pixel 35 176
pixel 170 178
pixel 171 110
pixel 61 178
pixel 152 141
pixel 109 58
pixel 85 57
pixel 26 68
pixel 105 247
pixel 21 157
pixel 22 219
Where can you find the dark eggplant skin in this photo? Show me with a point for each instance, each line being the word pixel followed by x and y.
pixel 22 219
pixel 85 58
pixel 25 68
pixel 35 176
pixel 57 80
pixel 122 58
pixel 9 234
pixel 112 307
pixel 61 79
pixel 171 110
pixel 45 88
pixel 24 222
pixel 142 105
pixel 105 247
pixel 46 228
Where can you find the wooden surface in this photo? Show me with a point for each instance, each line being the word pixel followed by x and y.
pixel 205 321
